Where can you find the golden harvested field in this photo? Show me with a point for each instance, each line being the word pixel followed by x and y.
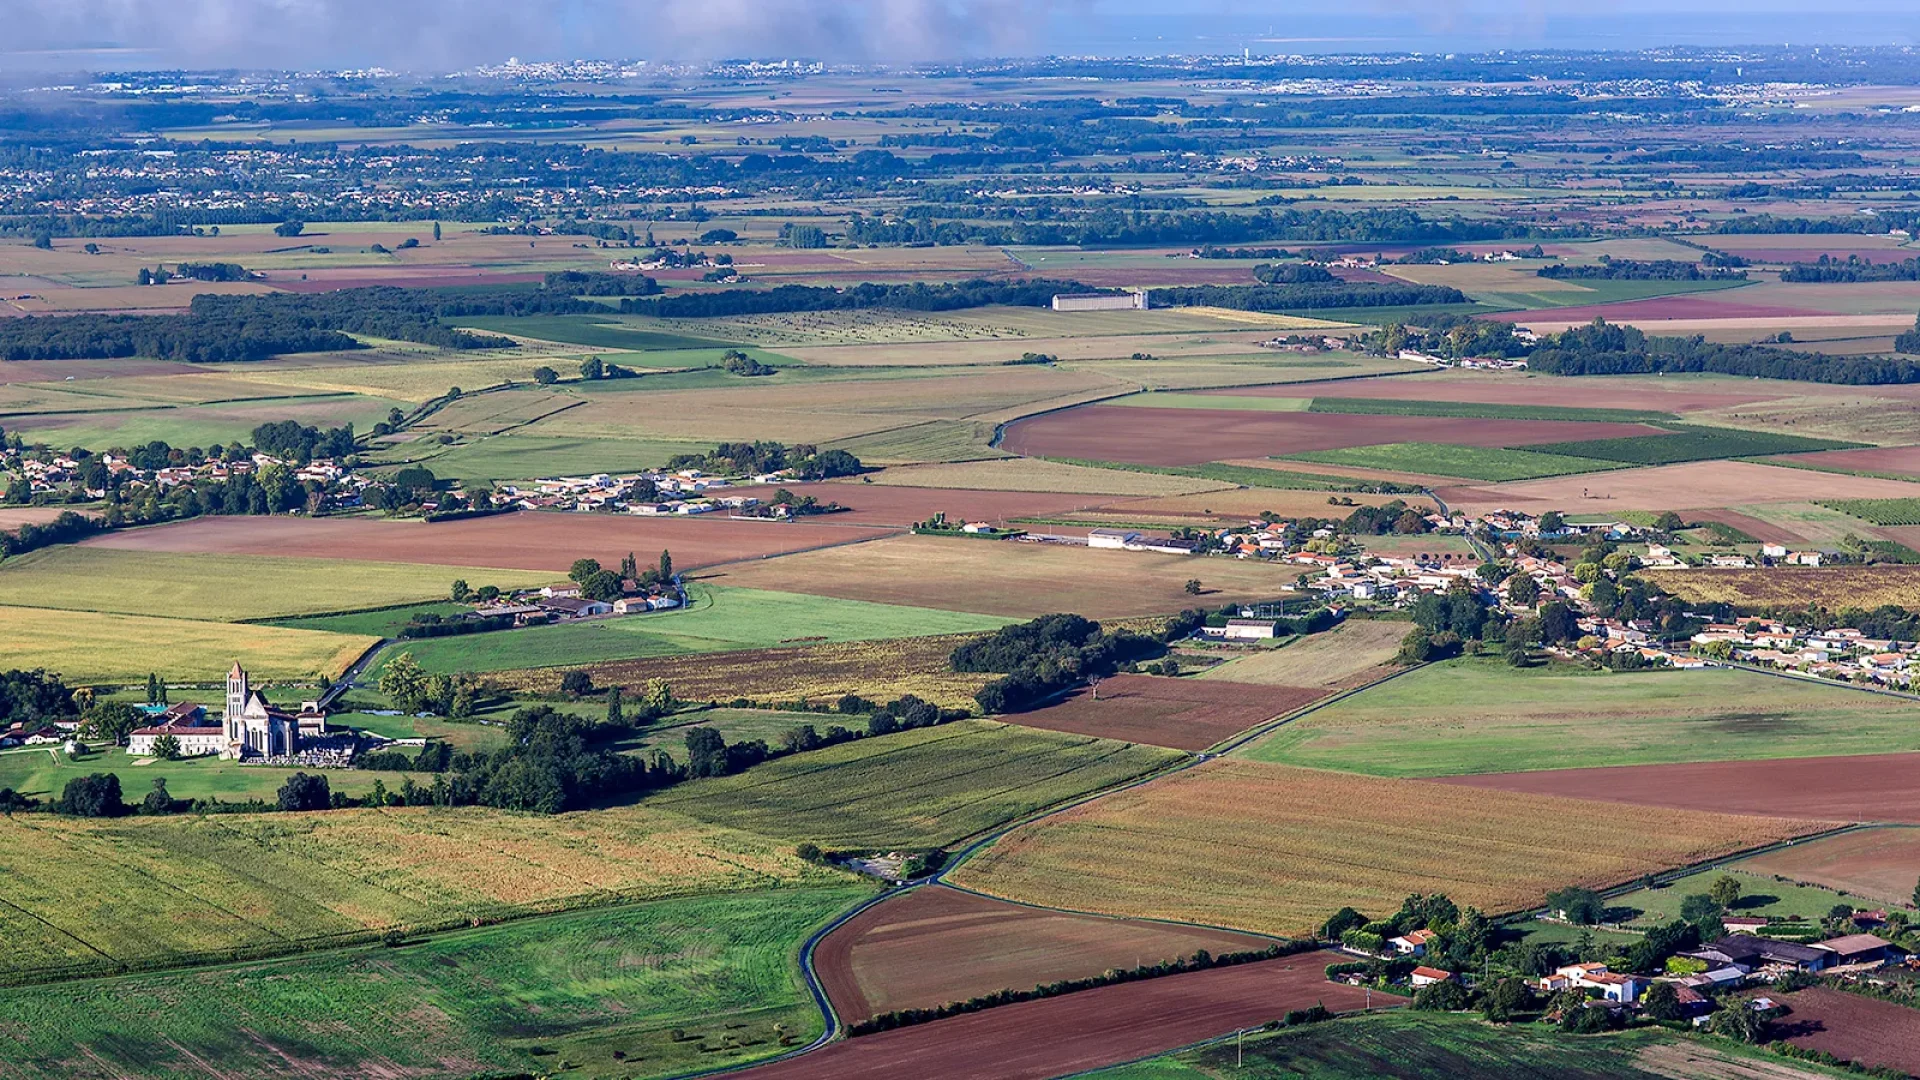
pixel 268 883
pixel 1693 486
pixel 1354 648
pixel 1019 580
pixel 1220 340
pixel 875 670
pixel 1864 417
pixel 90 647
pixel 416 380
pixel 1300 844
pixel 1834 587
pixel 1036 474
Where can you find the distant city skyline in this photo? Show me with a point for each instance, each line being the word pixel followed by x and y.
pixel 440 35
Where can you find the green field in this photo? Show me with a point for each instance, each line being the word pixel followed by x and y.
pixel 41 773
pixel 1477 715
pixel 598 331
pixel 1440 1046
pixel 1759 895
pixel 113 896
pixel 226 588
pixel 561 992
pixel 1687 443
pixel 920 788
pixel 1481 410
pixel 1447 459
pixel 735 725
pixel 1243 475
pixel 1888 512
pixel 382 622
pixel 522 456
pixel 719 619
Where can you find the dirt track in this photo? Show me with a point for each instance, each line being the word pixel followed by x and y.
pixel 1871 787
pixel 935 945
pixel 1039 1039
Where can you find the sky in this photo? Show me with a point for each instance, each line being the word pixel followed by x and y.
pixel 441 35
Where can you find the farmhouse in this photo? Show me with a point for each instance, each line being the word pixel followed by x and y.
pixel 1426 976
pixel 1624 989
pixel 1251 630
pixel 1750 953
pixel 1413 944
pixel 573 607
pixel 1862 949
pixel 1118 539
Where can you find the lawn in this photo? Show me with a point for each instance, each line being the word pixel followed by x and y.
pixel 602 990
pixel 922 788
pixel 1478 715
pixel 226 588
pixel 1448 459
pixel 89 647
pixel 1405 1045
pixel 719 619
pixel 235 886
pixel 1760 895
pixel 461 735
pixel 1686 443
pixel 42 772
pixel 1272 849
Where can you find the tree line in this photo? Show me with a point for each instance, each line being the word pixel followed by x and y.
pixel 1045 656
pixel 1333 294
pixel 809 462
pixel 1605 349
pixel 918 296
pixel 1611 269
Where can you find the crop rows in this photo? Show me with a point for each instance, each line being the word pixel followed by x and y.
pixel 1690 444
pixel 1888 512
pixel 1300 844
pixel 927 787
pixel 1836 588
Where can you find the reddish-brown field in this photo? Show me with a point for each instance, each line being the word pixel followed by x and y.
pixel 1662 307
pixel 1874 863
pixel 1868 787
pixel 524 541
pixel 29 371
pixel 1900 460
pixel 898 506
pixel 1035 1040
pixel 1506 389
pixel 1876 1034
pixel 936 945
pixel 1184 714
pixel 1697 485
pixel 1190 436
pixel 1763 531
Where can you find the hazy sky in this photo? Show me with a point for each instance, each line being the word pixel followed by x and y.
pixel 443 34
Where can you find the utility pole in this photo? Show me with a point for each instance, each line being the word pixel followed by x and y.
pixel 1239 1054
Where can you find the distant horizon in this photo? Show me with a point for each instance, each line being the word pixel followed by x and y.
pixel 435 36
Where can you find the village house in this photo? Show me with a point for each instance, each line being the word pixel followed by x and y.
pixel 1624 989
pixel 1426 976
pixel 1412 944
pixel 1249 629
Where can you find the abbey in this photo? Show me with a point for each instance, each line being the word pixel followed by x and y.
pixel 255 729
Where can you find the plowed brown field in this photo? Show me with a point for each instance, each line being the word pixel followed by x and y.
pixel 524 541
pixel 1502 389
pixel 1867 787
pixel 1185 714
pixel 1876 1034
pixel 1903 460
pixel 1875 863
pixel 1035 1040
pixel 1696 485
pixel 936 945
pixel 1190 436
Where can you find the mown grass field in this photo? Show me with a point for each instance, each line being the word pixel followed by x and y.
pixel 1325 659
pixel 226 588
pixel 91 647
pixel 921 788
pixel 1478 715
pixel 382 622
pixel 875 670
pixel 1760 895
pixel 1299 844
pixel 718 620
pixel 41 772
pixel 1405 1045
pixel 566 991
pixel 1467 462
pixel 235 886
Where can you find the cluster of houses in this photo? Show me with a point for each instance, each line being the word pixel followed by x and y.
pixel 62 474
pixel 557 603
pixel 1739 958
pixel 683 493
pixel 1836 653
pixel 1663 557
